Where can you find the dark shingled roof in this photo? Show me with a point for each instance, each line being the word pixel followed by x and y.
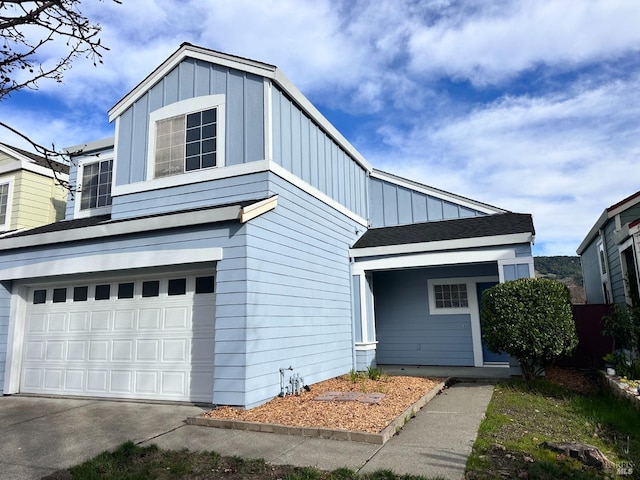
pixel 106 220
pixel 39 160
pixel 471 227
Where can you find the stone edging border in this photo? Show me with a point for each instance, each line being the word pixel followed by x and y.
pixel 619 389
pixel 375 438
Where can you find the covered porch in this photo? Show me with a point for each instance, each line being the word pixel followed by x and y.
pixel 417 290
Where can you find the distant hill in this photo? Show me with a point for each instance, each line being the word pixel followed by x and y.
pixel 564 268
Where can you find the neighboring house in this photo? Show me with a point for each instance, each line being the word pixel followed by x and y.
pixel 30 194
pixel 609 254
pixel 231 232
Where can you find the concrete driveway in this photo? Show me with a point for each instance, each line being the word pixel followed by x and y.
pixel 42 435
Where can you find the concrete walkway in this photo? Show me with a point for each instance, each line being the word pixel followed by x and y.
pixel 41 435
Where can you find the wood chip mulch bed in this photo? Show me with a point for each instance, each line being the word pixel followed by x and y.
pixel 304 411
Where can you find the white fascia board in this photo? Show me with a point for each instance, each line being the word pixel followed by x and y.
pixel 198 53
pixel 593 233
pixel 320 119
pixel 160 222
pixel 311 190
pixel 443 245
pixel 113 261
pixel 432 259
pixel 434 192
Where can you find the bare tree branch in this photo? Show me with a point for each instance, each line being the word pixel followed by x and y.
pixel 26 26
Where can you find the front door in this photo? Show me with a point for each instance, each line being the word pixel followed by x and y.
pixel 487 355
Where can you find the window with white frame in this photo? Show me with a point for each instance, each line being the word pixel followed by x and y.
pixel 449 296
pixel 95 187
pixel 187 136
pixel 4 205
pixel 452 295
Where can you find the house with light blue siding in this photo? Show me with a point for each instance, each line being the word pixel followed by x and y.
pixel 609 254
pixel 229 240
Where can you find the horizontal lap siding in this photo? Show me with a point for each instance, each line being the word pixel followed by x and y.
pixel 184 197
pixel 229 372
pixel 37 201
pixel 407 333
pixel 393 204
pixel 303 148
pixel 298 293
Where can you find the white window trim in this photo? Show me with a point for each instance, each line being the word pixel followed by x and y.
pixel 628 244
pixel 91 212
pixel 7 221
pixel 431 284
pixel 516 261
pixel 191 105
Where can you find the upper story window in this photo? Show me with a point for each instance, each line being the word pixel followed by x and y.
pixel 96 184
pixel 185 143
pixel 186 136
pixel 4 205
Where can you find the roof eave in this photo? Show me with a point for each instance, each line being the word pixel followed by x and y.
pixel 443 245
pixel 187 50
pixel 593 232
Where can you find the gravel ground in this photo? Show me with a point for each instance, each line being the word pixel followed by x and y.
pixel 304 411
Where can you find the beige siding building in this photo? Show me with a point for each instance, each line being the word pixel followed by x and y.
pixel 30 193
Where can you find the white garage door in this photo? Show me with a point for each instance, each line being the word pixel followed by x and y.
pixel 150 338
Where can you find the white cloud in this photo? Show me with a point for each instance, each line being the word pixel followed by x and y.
pixel 563 158
pixel 500 43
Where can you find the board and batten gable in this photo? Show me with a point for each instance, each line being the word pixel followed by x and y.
pixel 305 149
pixel 244 114
pixel 298 305
pixel 395 201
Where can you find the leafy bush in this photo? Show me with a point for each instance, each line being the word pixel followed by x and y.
pixel 530 319
pixel 623 325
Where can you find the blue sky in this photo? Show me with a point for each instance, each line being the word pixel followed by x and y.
pixel 532 105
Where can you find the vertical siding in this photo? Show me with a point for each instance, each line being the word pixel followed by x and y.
pixel 630 215
pixel 303 148
pixel 244 122
pixel 392 204
pixel 5 308
pixel 407 333
pixel 298 293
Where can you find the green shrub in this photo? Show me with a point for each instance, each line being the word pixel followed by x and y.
pixel 530 319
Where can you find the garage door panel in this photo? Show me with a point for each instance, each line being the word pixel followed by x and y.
pixel 174 350
pixel 148 350
pixel 149 319
pixel 78 321
pixel 176 318
pixel 97 381
pixel 159 347
pixel 57 323
pixel 54 350
pixel 124 320
pixel 76 350
pixel 36 323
